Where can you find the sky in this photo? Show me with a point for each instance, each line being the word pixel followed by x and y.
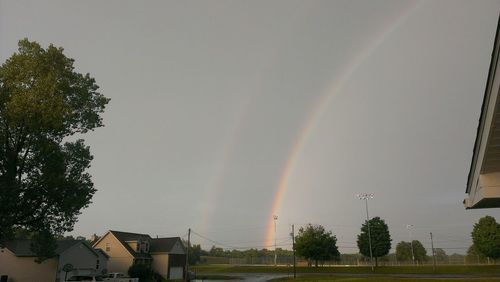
pixel 225 113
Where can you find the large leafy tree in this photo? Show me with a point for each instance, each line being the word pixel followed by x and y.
pixel 44 182
pixel 314 243
pixel 380 238
pixel 486 237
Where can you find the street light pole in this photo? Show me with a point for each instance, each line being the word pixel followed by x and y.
pixel 275 217
pixel 409 226
pixel 366 197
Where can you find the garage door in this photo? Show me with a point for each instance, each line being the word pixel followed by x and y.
pixel 176 272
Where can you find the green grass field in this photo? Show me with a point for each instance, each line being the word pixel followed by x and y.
pixel 483 270
pixel 386 279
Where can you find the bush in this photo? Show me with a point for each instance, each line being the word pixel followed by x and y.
pixel 141 271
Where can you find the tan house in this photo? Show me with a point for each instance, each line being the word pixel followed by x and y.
pixel 166 256
pixel 17 261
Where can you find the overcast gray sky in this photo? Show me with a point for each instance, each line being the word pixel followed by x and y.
pixel 215 103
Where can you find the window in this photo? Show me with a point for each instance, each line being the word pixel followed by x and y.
pixel 97 264
pixel 108 247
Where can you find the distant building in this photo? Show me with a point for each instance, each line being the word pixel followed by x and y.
pixel 17 261
pixel 483 183
pixel 166 256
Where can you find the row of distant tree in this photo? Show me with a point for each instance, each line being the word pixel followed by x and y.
pixel 317 246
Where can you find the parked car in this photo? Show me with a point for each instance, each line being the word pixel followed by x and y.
pixel 85 278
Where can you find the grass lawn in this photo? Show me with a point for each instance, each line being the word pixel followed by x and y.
pixel 386 279
pixel 485 270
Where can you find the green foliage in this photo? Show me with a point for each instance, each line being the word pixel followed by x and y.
pixel 380 238
pixel 195 253
pixel 44 245
pixel 141 271
pixel 419 251
pixel 43 180
pixel 22 234
pixel 218 252
pixel 440 255
pixel 314 243
pixel 404 251
pixel 475 256
pixel 486 237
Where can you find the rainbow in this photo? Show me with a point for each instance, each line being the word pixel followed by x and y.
pixel 320 106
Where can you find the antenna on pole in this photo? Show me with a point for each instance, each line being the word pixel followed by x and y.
pixel 186 276
pixel 433 255
pixel 293 247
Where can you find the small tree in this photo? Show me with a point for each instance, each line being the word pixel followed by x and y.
pixel 314 243
pixel 403 251
pixel 419 251
pixel 380 239
pixel 486 237
pixel 441 255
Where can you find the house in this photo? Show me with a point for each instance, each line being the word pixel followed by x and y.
pixel 483 182
pixel 17 261
pixel 166 256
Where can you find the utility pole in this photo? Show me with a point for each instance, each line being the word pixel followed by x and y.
pixel 409 226
pixel 187 255
pixel 293 247
pixel 366 197
pixel 433 255
pixel 275 217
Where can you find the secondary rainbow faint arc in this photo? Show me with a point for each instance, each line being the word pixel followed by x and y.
pixel 317 110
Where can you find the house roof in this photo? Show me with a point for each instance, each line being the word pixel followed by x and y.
pixel 22 248
pixel 164 245
pixel 486 152
pixel 123 237
pixel 157 245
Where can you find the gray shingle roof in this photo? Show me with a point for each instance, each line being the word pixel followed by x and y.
pixel 22 248
pixel 123 237
pixel 163 244
pixel 159 245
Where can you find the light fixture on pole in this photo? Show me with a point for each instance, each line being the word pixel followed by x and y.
pixel 365 197
pixel 409 226
pixel 275 217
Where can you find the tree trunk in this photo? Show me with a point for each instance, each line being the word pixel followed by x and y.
pixel 376 261
pixel 316 263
